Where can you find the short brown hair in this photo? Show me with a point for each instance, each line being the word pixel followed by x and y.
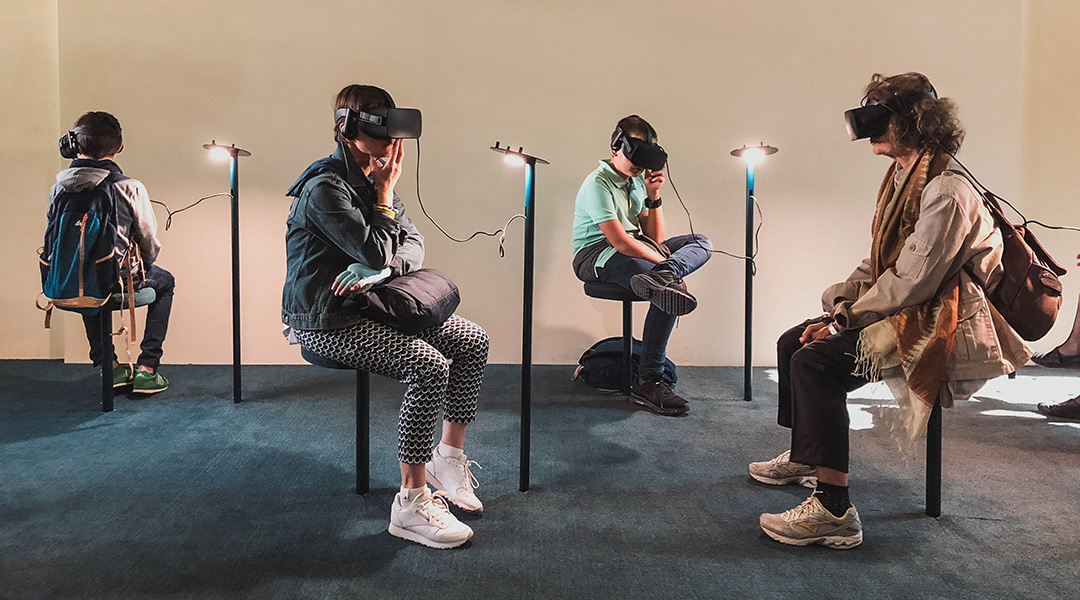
pixel 919 120
pixel 98 135
pixel 634 126
pixel 359 97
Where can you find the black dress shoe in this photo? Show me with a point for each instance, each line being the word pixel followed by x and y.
pixel 1069 409
pixel 1054 359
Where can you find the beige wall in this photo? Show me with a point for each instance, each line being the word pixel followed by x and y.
pixel 553 77
pixel 29 103
pixel 1051 141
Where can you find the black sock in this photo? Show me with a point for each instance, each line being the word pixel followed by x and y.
pixel 833 497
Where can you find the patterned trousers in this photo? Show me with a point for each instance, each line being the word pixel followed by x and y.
pixel 442 366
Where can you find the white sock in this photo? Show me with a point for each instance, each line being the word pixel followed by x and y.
pixel 450 451
pixel 408 494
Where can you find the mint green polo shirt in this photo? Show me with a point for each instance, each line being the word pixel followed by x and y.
pixel 606 196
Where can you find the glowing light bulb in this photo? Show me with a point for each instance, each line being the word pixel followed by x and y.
pixel 753 156
pixel 514 159
pixel 220 153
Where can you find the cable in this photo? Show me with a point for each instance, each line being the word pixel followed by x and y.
pixel 168 221
pixel 757 230
pixel 986 190
pixel 501 232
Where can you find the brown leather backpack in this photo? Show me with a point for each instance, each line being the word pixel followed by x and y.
pixel 1029 293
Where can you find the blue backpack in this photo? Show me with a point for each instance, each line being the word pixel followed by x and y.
pixel 79 265
pixel 601 366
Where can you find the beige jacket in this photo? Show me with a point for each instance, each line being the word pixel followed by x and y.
pixel 954 229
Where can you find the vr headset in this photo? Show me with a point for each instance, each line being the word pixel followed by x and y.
pixel 645 154
pixel 383 123
pixel 69 144
pixel 872 120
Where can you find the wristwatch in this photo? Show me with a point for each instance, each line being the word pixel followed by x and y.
pixel 653 203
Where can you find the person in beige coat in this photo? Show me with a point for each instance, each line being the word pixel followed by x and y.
pixel 914 313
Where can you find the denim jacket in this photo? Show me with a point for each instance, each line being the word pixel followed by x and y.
pixel 332 224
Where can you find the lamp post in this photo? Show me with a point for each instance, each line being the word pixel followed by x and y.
pixel 232 154
pixel 751 155
pixel 518 157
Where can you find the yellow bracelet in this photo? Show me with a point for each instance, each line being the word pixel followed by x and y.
pixel 386 210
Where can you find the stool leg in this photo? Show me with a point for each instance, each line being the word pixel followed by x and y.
pixel 106 360
pixel 933 462
pixel 627 345
pixel 363 423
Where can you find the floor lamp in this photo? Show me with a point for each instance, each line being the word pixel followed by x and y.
pixel 232 154
pixel 518 157
pixel 751 155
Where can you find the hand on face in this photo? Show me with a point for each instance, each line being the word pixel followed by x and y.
pixel 654 180
pixel 386 175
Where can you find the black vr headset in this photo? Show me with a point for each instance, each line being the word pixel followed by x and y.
pixel 383 123
pixel 69 144
pixel 646 154
pixel 872 120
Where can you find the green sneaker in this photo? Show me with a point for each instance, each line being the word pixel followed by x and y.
pixel 149 383
pixel 121 376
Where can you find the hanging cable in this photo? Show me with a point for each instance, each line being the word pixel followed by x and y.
pixel 757 230
pixel 168 220
pixel 501 233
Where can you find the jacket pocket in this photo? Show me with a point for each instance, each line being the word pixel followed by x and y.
pixel 911 264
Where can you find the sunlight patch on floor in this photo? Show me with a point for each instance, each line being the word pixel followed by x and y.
pixel 1049 389
pixel 1023 414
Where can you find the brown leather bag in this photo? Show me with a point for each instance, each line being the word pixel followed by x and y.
pixel 1029 293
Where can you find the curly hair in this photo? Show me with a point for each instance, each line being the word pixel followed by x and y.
pixel 919 120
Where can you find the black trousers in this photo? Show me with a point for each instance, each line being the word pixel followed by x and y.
pixel 814 383
pixel 157 320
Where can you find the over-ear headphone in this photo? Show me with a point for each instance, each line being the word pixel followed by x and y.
pixel 354 118
pixel 69 142
pixel 646 154
pixel 872 120
pixel 622 141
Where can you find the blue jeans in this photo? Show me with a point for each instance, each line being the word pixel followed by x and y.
pixel 687 256
pixel 157 320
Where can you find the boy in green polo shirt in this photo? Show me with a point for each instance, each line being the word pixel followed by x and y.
pixel 619 237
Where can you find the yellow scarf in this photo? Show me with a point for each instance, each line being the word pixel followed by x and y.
pixel 922 335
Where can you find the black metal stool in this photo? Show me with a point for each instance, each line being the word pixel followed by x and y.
pixel 363 415
pixel 611 291
pixel 933 462
pixel 117 301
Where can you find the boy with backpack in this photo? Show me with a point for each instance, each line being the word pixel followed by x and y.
pixel 96 181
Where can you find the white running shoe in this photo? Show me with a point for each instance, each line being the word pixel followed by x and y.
pixel 454 476
pixel 426 520
pixel 810 523
pixel 781 471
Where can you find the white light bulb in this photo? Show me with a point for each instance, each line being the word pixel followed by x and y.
pixel 220 153
pixel 514 159
pixel 753 156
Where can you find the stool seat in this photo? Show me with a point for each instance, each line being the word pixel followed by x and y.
pixel 119 300
pixel 610 291
pixel 322 361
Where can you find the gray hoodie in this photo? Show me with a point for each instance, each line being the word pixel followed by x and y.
pixel 135 218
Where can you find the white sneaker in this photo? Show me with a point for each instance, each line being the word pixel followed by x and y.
pixel 426 520
pixel 454 476
pixel 781 471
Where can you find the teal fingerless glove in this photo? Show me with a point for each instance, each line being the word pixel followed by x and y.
pixel 362 275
